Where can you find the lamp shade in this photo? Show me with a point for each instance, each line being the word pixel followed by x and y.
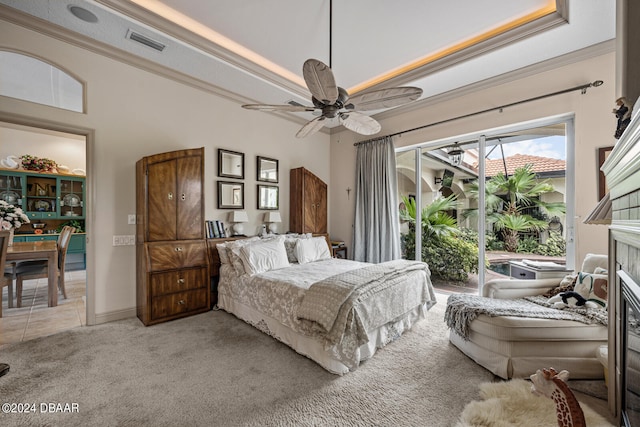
pixel 273 216
pixel 238 216
pixel 601 214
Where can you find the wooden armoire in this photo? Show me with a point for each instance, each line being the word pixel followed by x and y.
pixel 171 252
pixel 307 202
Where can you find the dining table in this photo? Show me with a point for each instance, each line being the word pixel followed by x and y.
pixel 39 250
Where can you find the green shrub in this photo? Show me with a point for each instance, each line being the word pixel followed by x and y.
pixel 528 245
pixel 449 257
pixel 468 235
pixel 491 240
pixel 493 243
pixel 554 246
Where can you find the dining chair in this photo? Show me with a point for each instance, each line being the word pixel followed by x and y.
pixel 7 278
pixel 38 269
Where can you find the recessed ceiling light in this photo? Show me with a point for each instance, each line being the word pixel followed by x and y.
pixel 84 14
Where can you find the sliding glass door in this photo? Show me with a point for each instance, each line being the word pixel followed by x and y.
pixel 505 197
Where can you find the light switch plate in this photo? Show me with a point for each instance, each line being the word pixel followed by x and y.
pixel 124 240
pixel 131 219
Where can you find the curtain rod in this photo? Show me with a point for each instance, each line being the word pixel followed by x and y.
pixel 583 88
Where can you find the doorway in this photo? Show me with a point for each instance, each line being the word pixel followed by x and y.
pixel 68 148
pixel 521 211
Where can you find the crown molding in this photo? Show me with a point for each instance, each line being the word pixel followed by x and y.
pixel 537 68
pixel 529 29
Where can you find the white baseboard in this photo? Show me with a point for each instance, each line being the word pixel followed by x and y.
pixel 115 315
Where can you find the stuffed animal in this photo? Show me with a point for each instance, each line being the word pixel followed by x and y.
pixel 571 299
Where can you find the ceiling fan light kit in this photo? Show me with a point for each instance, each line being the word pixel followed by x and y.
pixel 333 101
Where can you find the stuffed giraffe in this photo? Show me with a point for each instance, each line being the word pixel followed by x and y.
pixel 551 384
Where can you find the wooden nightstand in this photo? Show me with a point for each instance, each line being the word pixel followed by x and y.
pixel 339 252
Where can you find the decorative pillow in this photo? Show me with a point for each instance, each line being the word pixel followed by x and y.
pixel 222 253
pixel 290 241
pixel 233 251
pixel 313 249
pixel 264 256
pixel 566 285
pixel 594 287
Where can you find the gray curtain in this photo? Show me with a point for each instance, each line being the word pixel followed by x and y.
pixel 376 226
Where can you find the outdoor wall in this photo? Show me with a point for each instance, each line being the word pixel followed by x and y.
pixel 594 127
pixel 132 113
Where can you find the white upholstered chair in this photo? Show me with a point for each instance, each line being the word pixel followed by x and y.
pixel 515 347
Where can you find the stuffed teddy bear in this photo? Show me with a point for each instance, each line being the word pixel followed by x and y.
pixel 571 299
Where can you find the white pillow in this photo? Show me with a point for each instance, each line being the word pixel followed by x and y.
pixel 233 251
pixel 264 256
pixel 314 249
pixel 290 241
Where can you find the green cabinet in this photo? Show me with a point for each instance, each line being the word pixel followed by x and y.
pixel 48 198
pixel 44 196
pixel 12 188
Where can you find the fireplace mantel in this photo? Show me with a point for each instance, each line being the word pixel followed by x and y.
pixel 622 171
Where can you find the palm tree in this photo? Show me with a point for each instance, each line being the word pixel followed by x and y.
pixel 522 190
pixel 434 217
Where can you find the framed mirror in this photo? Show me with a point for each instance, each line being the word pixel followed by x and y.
pixel 230 195
pixel 230 164
pixel 267 169
pixel 268 197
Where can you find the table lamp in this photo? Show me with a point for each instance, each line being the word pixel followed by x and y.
pixel 237 218
pixel 272 218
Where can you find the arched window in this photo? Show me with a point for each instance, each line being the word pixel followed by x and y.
pixel 31 79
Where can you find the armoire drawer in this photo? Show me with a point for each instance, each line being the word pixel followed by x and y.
pixel 178 281
pixel 178 303
pixel 178 254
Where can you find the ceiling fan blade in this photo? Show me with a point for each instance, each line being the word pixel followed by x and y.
pixel 359 123
pixel 320 81
pixel 311 127
pixel 384 98
pixel 267 107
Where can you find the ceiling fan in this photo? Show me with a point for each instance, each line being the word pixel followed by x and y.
pixel 333 101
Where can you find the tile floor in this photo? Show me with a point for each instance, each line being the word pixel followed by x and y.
pixel 35 319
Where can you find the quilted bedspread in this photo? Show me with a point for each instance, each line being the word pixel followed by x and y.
pixel 345 303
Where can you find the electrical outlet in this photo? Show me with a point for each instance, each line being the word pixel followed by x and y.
pixel 131 219
pixel 124 240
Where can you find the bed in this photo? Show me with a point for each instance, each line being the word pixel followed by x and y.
pixel 334 311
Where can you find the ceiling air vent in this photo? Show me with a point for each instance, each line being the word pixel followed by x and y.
pixel 137 37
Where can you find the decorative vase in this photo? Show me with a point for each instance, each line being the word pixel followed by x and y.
pixel 11 237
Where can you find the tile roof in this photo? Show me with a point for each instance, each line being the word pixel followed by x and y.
pixel 540 164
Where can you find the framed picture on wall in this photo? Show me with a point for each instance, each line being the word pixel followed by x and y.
pixel 230 164
pixel 603 153
pixel 267 170
pixel 230 195
pixel 268 197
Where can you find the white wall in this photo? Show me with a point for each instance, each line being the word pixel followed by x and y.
pixel 594 127
pixel 64 149
pixel 134 113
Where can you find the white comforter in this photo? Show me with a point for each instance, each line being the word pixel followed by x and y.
pixel 279 295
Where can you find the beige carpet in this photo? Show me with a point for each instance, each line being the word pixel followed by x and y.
pixel 511 403
pixel 213 369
